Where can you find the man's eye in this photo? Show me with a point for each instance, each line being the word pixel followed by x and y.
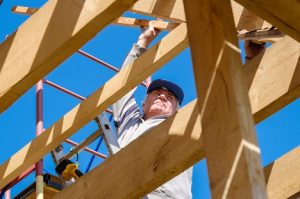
pixel 170 98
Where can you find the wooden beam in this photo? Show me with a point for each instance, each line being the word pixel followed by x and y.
pixel 124 21
pixel 24 10
pixel 87 110
pixel 132 22
pixel 260 35
pixel 283 176
pixel 147 162
pixel 182 132
pixel 233 157
pixel 166 9
pixel 44 41
pixel 174 10
pixel 246 20
pixel 273 78
pixel 284 15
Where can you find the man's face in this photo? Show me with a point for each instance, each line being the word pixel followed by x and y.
pixel 159 102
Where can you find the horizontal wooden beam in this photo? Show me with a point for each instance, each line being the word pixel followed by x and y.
pixel 173 10
pixel 283 176
pixel 132 22
pixel 44 41
pixel 273 78
pixel 114 89
pixel 261 35
pixel 284 15
pixel 124 21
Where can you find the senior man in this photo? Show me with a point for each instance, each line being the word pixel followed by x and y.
pixel 162 100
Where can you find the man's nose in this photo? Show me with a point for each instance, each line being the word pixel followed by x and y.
pixel 162 97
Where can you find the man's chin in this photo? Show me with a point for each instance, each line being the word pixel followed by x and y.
pixel 158 111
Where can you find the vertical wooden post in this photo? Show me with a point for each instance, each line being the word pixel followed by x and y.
pixel 233 157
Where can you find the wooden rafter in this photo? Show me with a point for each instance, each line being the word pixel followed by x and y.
pixel 273 78
pixel 233 157
pixel 124 21
pixel 86 111
pixel 44 41
pixel 284 15
pixel 283 176
pixel 173 10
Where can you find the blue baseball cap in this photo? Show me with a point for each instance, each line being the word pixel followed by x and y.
pixel 169 86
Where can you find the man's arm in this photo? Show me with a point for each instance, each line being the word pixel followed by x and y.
pixel 126 108
pixel 252 49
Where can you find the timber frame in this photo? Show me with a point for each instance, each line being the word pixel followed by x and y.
pixel 231 97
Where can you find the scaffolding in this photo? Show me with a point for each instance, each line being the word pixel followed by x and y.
pixel 218 125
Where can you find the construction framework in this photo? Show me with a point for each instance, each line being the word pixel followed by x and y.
pixel 231 97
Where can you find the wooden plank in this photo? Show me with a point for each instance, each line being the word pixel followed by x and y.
pixel 174 10
pixel 233 157
pixel 24 10
pixel 246 20
pixel 260 35
pixel 147 162
pixel 166 9
pixel 124 21
pixel 283 176
pixel 273 78
pixel 44 41
pixel 132 22
pixel 284 15
pixel 87 110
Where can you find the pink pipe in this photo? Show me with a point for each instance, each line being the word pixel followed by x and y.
pixel 68 92
pixel 21 177
pixel 39 121
pixel 148 82
pixel 64 89
pixel 7 194
pixel 87 149
pixel 98 60
pixel 102 62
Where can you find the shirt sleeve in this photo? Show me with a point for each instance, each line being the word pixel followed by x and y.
pixel 126 109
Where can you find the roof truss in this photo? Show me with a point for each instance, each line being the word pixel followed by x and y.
pixel 219 78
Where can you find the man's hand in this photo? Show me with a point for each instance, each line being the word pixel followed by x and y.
pixel 148 35
pixel 252 48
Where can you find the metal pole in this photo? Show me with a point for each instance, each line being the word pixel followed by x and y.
pixel 7 194
pixel 39 129
pixel 93 152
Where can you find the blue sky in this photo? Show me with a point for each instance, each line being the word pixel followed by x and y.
pixel 276 135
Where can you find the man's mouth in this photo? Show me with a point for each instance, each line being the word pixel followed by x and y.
pixel 159 102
